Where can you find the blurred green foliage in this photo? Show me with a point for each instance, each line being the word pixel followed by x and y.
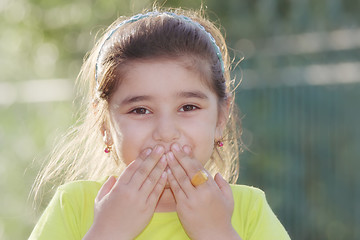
pixel 298 99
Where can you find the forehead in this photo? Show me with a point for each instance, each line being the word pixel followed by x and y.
pixel 192 63
pixel 161 76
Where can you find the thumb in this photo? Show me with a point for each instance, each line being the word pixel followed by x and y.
pixel 224 186
pixel 105 189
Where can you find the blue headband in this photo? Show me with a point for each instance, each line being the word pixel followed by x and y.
pixel 141 16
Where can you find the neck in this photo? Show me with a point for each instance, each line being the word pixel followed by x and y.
pixel 166 202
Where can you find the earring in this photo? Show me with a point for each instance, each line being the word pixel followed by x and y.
pixel 107 149
pixel 220 143
pixel 106 140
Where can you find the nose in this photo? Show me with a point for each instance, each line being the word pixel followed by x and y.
pixel 166 129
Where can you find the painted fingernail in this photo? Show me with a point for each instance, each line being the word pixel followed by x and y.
pixel 159 149
pixel 175 147
pixel 187 149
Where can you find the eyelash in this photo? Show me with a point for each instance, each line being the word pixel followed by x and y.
pixel 193 108
pixel 135 111
pixel 146 111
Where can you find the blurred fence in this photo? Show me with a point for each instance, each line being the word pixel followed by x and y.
pixel 304 153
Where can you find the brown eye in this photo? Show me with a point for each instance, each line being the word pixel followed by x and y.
pixel 140 111
pixel 187 108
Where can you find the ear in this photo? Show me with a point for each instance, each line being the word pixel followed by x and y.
pixel 105 132
pixel 223 116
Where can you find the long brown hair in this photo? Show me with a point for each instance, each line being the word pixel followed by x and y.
pixel 80 154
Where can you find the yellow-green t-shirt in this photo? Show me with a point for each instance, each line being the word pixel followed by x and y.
pixel 70 214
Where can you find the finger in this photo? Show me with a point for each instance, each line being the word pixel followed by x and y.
pixel 179 174
pixel 146 166
pixel 129 171
pixel 189 164
pixel 158 189
pixel 192 166
pixel 224 187
pixel 153 178
pixel 179 194
pixel 106 188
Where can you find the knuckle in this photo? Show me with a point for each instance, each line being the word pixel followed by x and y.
pixel 143 171
pixel 206 195
pixel 176 188
pixel 156 189
pixel 158 168
pixel 174 185
pixel 151 158
pixel 178 168
pixel 148 181
pixel 151 179
pixel 183 178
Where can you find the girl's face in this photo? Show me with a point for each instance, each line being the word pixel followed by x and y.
pixel 161 102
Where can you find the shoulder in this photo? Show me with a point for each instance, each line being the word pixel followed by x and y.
pixel 79 192
pixel 80 186
pixel 253 218
pixel 249 202
pixel 249 199
pixel 246 192
pixel 69 213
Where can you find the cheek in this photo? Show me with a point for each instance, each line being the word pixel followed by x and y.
pixel 202 141
pixel 206 149
pixel 129 140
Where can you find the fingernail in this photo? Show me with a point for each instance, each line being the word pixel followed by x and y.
pixel 159 149
pixel 147 152
pixel 187 149
pixel 175 147
pixel 170 156
pixel 162 159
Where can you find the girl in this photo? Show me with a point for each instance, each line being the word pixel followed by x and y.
pixel 160 101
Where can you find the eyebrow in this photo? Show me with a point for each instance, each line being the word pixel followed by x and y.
pixel 134 99
pixel 196 94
